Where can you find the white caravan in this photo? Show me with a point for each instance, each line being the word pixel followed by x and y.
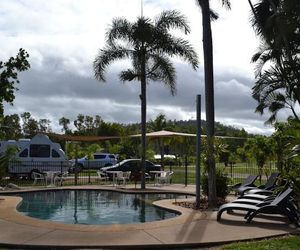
pixel 36 155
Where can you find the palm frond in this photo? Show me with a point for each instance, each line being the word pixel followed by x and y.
pixel 128 75
pixel 213 15
pixel 162 69
pixel 176 47
pixel 172 19
pixel 121 29
pixel 262 12
pixel 226 4
pixel 106 56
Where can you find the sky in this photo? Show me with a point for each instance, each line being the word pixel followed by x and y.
pixel 63 38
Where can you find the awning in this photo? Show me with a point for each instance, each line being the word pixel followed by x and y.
pixel 163 133
pixel 156 134
pixel 82 138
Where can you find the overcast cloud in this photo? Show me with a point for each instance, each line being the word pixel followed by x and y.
pixel 63 37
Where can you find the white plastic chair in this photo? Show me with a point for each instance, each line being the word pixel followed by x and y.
pixel 59 178
pixel 102 176
pixel 38 177
pixel 165 177
pixel 123 176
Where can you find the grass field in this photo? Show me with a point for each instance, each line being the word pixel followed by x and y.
pixel 282 243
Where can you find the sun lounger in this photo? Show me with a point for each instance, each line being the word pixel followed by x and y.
pixel 248 182
pixel 269 186
pixel 280 205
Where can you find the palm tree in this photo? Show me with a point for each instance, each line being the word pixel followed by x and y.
pixel 277 24
pixel 207 16
pixel 274 90
pixel 149 45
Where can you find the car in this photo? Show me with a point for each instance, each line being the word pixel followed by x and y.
pixel 99 161
pixel 133 165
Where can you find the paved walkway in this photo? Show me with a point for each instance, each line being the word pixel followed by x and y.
pixel 191 228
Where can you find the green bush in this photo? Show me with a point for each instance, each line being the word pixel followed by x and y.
pixel 222 182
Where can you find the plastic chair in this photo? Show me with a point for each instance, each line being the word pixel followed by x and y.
pixel 165 177
pixel 123 176
pixel 60 178
pixel 38 177
pixel 102 176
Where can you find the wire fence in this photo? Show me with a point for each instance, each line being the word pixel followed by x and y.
pixel 64 173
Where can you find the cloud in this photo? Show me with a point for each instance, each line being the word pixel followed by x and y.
pixel 64 36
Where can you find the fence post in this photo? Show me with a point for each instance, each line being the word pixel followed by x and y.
pixel 198 151
pixel 76 162
pixel 89 171
pixel 61 171
pixel 185 177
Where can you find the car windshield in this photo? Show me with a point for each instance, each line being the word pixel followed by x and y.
pixel 122 162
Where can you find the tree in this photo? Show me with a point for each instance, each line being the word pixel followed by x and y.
pixel 10 127
pixel 30 125
pixel 9 77
pixel 207 15
pixel 286 140
pixel 149 45
pixel 44 126
pixel 65 122
pixel 277 60
pixel 87 125
pixel 261 149
pixel 160 123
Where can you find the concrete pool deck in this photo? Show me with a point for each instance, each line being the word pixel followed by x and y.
pixel 192 228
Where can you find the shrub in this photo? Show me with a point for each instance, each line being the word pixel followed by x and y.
pixel 222 182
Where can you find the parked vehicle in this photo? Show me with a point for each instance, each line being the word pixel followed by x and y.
pixel 133 165
pixel 39 154
pixel 99 161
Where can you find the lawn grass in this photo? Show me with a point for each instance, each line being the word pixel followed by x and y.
pixel 282 243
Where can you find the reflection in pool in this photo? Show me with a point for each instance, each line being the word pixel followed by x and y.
pixel 94 207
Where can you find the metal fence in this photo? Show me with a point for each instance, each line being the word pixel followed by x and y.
pixel 21 174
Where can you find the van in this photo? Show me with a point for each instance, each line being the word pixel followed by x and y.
pixel 39 154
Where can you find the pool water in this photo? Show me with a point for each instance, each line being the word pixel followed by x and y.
pixel 93 207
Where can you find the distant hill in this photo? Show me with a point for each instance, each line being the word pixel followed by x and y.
pixel 190 127
pixel 220 129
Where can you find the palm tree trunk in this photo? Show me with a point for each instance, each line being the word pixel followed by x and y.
pixel 209 101
pixel 143 118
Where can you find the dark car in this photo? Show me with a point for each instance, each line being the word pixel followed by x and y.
pixel 133 165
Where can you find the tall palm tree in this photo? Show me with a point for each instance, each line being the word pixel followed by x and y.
pixel 149 45
pixel 207 16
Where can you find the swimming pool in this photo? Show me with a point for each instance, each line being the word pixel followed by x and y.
pixel 94 207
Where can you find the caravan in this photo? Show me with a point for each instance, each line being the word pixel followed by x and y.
pixel 39 154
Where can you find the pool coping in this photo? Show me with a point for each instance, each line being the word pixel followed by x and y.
pixel 191 228
pixel 13 215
